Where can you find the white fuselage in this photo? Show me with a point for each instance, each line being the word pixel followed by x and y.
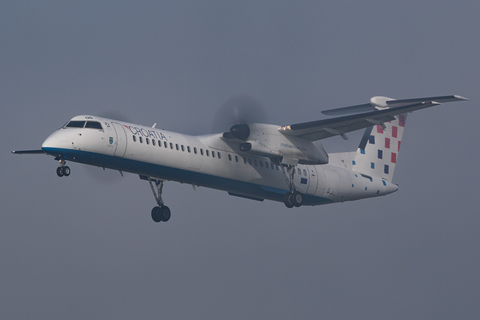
pixel 208 161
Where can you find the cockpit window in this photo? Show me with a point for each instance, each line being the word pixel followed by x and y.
pixel 93 125
pixel 75 124
pixel 86 124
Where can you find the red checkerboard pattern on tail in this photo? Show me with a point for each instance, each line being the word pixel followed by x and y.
pixel 377 155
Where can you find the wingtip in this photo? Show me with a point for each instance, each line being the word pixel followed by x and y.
pixel 460 97
pixel 28 152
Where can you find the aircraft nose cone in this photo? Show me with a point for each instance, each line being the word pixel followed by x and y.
pixel 50 143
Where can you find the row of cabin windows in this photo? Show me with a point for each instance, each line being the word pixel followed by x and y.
pixel 177 147
pixel 262 164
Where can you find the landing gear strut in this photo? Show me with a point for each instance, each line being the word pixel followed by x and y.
pixel 292 198
pixel 162 212
pixel 63 170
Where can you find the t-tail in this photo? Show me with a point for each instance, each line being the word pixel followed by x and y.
pixel 377 154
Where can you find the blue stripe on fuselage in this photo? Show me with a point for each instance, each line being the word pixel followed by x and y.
pixel 180 175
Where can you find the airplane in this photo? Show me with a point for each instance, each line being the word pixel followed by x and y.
pixel 252 160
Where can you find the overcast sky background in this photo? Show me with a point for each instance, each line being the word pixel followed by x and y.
pixel 80 248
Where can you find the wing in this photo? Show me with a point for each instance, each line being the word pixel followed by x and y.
pixel 29 152
pixel 321 129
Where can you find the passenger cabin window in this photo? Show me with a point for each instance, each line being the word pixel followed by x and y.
pixel 219 155
pixel 153 142
pixel 134 139
pixel 147 140
pixel 94 125
pixel 140 139
pixel 207 152
pixel 75 124
pixel 195 150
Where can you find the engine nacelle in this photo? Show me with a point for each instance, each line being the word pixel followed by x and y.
pixel 240 131
pixel 266 140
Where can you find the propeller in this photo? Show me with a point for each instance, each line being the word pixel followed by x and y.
pixel 234 115
pixel 114 115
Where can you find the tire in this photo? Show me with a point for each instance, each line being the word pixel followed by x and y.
pixel 60 171
pixel 165 213
pixel 297 199
pixel 156 214
pixel 287 200
pixel 66 171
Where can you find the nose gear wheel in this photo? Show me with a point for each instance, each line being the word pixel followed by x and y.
pixel 63 170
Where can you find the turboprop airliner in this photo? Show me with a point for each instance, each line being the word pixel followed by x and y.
pixel 252 160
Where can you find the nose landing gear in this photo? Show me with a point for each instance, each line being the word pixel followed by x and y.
pixel 63 170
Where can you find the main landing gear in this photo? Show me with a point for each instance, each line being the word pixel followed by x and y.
pixel 63 170
pixel 293 198
pixel 162 212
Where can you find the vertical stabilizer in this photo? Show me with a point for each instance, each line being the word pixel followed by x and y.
pixel 378 151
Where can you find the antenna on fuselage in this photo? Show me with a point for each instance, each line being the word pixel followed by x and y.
pixel 154 125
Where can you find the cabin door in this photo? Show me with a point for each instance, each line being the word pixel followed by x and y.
pixel 121 141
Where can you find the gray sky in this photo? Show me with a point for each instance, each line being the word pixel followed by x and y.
pixel 79 248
